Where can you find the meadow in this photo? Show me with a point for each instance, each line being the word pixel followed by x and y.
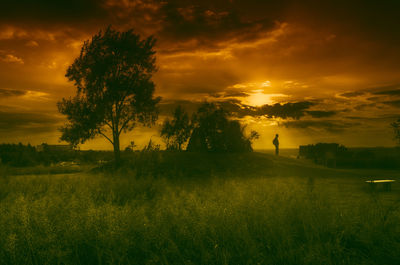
pixel 181 208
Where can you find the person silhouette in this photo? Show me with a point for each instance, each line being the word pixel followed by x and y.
pixel 276 143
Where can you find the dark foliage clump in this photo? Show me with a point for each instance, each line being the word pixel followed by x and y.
pixel 18 155
pixel 336 155
pixel 213 131
pixel 177 131
pixel 396 130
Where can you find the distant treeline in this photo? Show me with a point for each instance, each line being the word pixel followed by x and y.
pixel 336 155
pixel 19 155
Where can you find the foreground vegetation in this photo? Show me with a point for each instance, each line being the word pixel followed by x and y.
pixel 234 209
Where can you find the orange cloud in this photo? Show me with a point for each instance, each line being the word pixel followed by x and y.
pixel 9 58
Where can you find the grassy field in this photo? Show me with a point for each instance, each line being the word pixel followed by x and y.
pixel 193 209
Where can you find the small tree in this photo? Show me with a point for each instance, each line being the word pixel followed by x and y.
pixel 114 88
pixel 254 135
pixel 151 147
pixel 130 147
pixel 177 131
pixel 396 129
pixel 213 131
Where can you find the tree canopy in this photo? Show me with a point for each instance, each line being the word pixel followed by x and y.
pixel 176 131
pixel 396 130
pixel 112 75
pixel 213 131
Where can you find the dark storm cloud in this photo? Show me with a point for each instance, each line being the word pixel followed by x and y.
pixel 209 22
pixel 182 20
pixel 375 20
pixel 229 94
pixel 294 110
pixel 389 90
pixel 321 114
pixel 374 99
pixel 329 126
pixel 28 122
pixel 394 92
pixel 54 11
pixel 385 117
pixel 288 110
pixel 177 21
pixel 352 94
pixel 394 103
pixel 6 92
pixel 206 23
pixel 365 106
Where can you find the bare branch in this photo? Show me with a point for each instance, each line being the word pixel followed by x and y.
pixel 124 125
pixel 108 124
pixel 121 105
pixel 100 132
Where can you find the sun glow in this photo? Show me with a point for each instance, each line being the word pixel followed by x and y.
pixel 266 84
pixel 257 93
pixel 259 98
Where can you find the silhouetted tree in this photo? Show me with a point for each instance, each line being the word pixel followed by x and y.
pixel 18 155
pixel 114 88
pixel 254 135
pixel 130 147
pixel 396 129
pixel 151 147
pixel 213 131
pixel 177 131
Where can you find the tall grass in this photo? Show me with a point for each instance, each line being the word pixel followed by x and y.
pixel 222 219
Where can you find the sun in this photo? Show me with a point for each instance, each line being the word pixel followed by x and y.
pixel 257 93
pixel 258 98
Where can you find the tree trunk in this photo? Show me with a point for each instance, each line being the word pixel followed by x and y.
pixel 117 153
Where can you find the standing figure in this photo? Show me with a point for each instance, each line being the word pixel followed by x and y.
pixel 276 143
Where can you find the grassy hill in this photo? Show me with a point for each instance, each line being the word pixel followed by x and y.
pixel 182 208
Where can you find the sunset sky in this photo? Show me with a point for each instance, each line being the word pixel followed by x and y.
pixel 336 62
